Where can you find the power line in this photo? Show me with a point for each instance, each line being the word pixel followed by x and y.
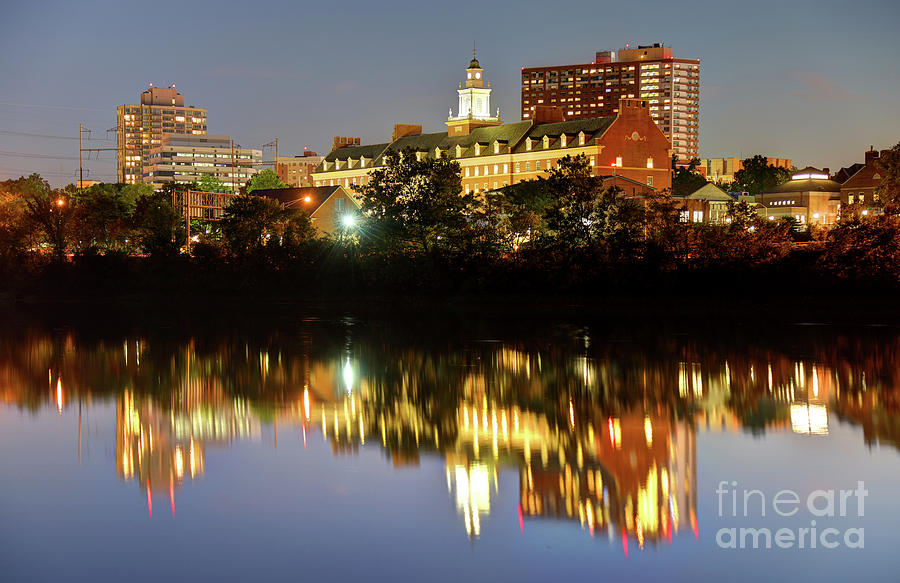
pixel 32 155
pixel 50 106
pixel 31 135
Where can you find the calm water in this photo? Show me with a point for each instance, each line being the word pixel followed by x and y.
pixel 446 448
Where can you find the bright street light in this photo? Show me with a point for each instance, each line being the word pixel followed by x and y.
pixel 348 221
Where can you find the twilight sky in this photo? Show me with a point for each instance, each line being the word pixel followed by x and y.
pixel 814 81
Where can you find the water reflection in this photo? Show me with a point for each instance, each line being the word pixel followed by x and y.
pixel 602 433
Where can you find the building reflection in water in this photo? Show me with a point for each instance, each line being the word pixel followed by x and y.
pixel 602 439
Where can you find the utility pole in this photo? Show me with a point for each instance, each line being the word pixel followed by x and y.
pixel 82 149
pixel 232 167
pixel 80 162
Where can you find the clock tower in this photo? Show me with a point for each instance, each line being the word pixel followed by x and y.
pixel 474 103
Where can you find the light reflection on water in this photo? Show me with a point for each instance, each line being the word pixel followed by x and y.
pixel 602 435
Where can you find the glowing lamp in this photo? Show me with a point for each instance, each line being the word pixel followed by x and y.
pixel 348 221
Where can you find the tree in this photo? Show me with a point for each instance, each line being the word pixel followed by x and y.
pixel 415 202
pixel 264 180
pixel 211 183
pixel 740 215
pixel 758 176
pixel 582 212
pixel 49 211
pixel 158 227
pixel 103 214
pixel 249 221
pixel 888 192
pixel 686 180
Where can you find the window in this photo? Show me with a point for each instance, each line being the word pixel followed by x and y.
pixel 496 169
pixel 476 171
pixel 467 171
pixel 562 140
pixel 527 166
pixel 527 144
pixel 339 205
pixel 506 168
pixel 862 198
pixel 619 161
pixel 518 166
pixel 546 142
pixel 649 162
pixel 851 199
pixel 649 181
pixel 698 216
pixel 467 189
pixel 537 165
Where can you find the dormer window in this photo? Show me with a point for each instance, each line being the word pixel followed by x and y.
pixel 477 149
pixel 458 151
pixel 527 144
pixel 580 138
pixel 496 147
pixel 546 142
pixel 437 152
pixel 362 161
pixel 419 156
pixel 562 141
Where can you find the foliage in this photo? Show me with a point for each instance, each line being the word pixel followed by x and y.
pixel 757 176
pixel 103 215
pixel 864 248
pixel 157 226
pixel 251 222
pixel 686 180
pixel 211 183
pixel 48 211
pixel 888 192
pixel 264 180
pixel 415 203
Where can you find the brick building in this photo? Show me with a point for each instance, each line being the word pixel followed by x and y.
pixel 860 187
pixel 492 155
pixel 670 86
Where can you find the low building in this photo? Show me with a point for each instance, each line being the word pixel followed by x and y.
pixel 710 205
pixel 722 170
pixel 810 197
pixel 296 171
pixel 859 188
pixel 186 158
pixel 329 207
pixel 492 155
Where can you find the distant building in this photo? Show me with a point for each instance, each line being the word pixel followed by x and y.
pixel 722 170
pixel 329 207
pixel 859 188
pixel 492 155
pixel 296 171
pixel 185 158
pixel 809 197
pixel 140 127
pixel 670 86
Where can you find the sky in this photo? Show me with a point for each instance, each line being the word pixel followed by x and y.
pixel 814 81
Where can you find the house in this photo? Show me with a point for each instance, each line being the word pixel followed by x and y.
pixel 329 207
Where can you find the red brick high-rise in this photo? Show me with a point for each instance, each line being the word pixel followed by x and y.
pixel 671 87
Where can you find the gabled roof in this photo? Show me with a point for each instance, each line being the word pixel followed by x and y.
pixel 307 198
pixel 710 191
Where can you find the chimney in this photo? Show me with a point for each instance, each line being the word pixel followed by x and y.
pixel 826 172
pixel 344 141
pixel 871 155
pixel 401 130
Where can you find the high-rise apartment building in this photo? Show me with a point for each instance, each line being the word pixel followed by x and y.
pixel 140 127
pixel 186 158
pixel 652 73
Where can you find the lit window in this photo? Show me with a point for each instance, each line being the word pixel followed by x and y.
pixel 649 162
pixel 619 161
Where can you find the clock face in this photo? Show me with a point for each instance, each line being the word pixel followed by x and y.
pixel 478 75
pixel 468 75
